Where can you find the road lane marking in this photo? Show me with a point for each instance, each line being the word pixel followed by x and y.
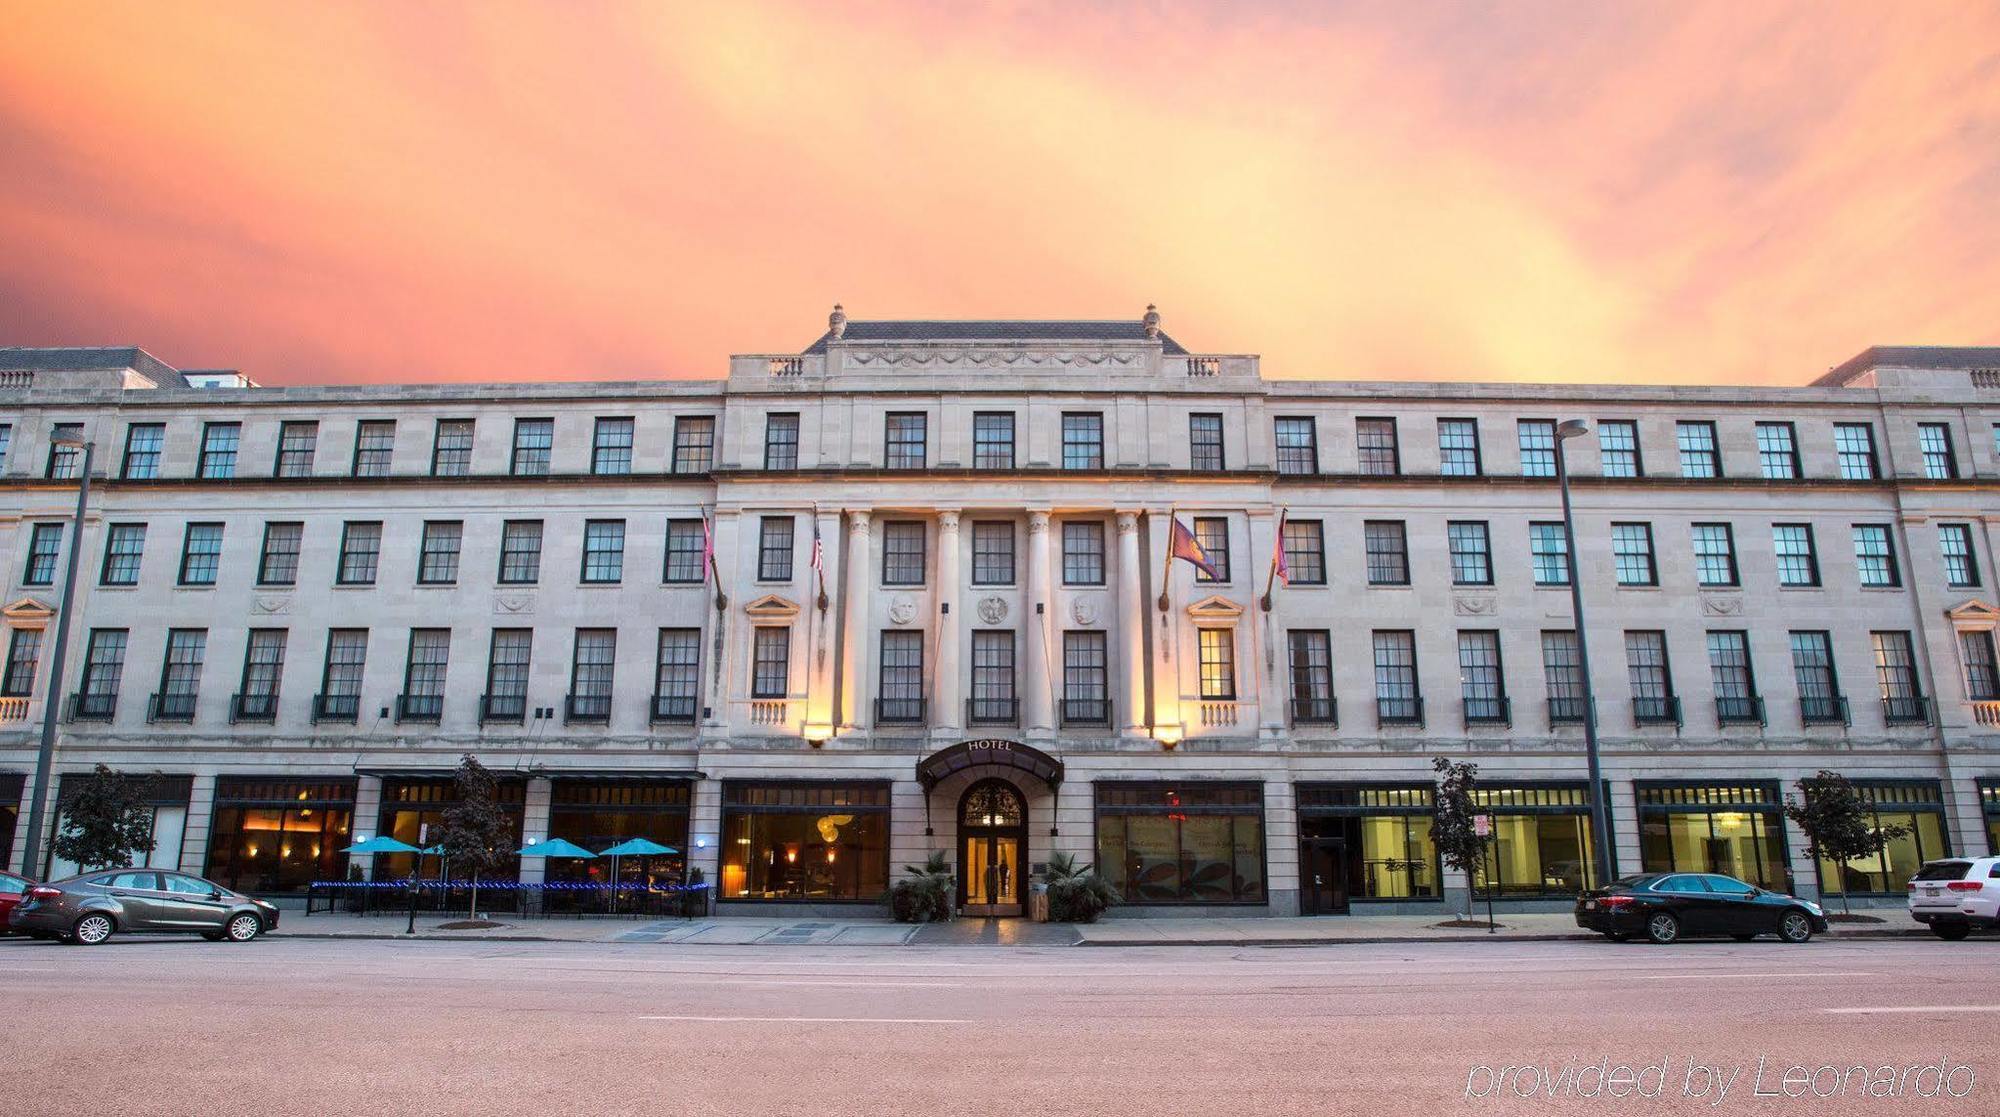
pixel 1856 1011
pixel 1733 973
pixel 811 1019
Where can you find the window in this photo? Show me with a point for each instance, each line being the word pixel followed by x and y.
pixel 1083 552
pixel 1182 843
pixel 1738 829
pixel 24 657
pixel 1212 532
pixel 1384 834
pixel 437 558
pixel 781 440
pixel 1312 675
pixel 774 549
pixel 297 443
pixel 65 462
pixel 694 443
pixel 993 440
pixel 103 665
pixel 611 446
pixel 1541 839
pixel 1735 687
pixel 44 548
pixel 451 448
pixel 360 552
pixel 1819 691
pixel 1798 563
pixel 1651 677
pixel 201 554
pixel 903 553
pixel 124 544
pixel 1875 555
pixel 902 682
pixel 340 683
pixel 1982 683
pixel 180 674
pixel 1305 552
pixel 905 434
pixel 590 674
pixel 1934 439
pixel 805 842
pixel 7 440
pixel 1481 681
pixel 423 675
pixel 686 545
pixel 263 669
pixel 1562 675
pixel 271 836
pixel 1082 440
pixel 1618 448
pixel 1217 651
pixel 1388 552
pixel 603 551
pixel 507 660
pixel 771 662
pixel 1917 807
pixel 1714 555
pixel 992 553
pixel 1854 446
pixel 1458 447
pixel 1375 443
pixel 278 561
pixel 1086 685
pixel 1471 553
pixel 374 443
pixel 677 675
pixel 1955 543
pixel 218 450
pixel 1396 696
pixel 533 441
pixel 993 698
pixel 1538 447
pixel 1632 551
pixel 1896 675
pixel 143 442
pixel 1778 451
pixel 1205 441
pixel 520 552
pixel 1548 547
pixel 1298 444
pixel 1699 455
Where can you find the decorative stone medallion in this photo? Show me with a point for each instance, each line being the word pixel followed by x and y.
pixel 992 610
pixel 1085 610
pixel 903 610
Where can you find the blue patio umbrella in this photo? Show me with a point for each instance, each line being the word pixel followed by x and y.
pixel 381 844
pixel 631 847
pixel 555 847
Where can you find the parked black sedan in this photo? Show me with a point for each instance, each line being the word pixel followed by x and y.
pixel 1668 907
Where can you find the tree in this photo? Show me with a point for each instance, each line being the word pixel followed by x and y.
pixel 1452 827
pixel 105 822
pixel 475 833
pixel 1839 824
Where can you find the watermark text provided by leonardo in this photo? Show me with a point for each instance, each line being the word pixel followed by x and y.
pixel 1719 1082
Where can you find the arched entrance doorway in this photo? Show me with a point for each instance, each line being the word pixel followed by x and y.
pixel 992 848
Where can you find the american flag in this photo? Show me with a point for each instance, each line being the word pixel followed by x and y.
pixel 819 563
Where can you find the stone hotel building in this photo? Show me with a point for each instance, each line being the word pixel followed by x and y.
pixel 940 615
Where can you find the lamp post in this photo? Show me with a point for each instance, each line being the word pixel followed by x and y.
pixel 1600 828
pixel 38 797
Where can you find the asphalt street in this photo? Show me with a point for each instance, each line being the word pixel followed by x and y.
pixel 365 1027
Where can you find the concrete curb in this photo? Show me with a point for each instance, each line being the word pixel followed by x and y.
pixel 1236 943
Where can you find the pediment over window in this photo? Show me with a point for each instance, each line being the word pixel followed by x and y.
pixel 1973 614
pixel 772 607
pixel 28 612
pixel 1215 610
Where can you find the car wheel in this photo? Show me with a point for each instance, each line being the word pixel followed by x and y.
pixel 1741 937
pixel 1795 927
pixel 92 928
pixel 1663 927
pixel 242 927
pixel 1951 932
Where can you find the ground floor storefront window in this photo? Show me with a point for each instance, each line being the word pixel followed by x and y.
pixel 1989 805
pixel 165 798
pixel 1737 829
pixel 413 812
pixel 1182 843
pixel 810 842
pixel 1541 839
pixel 1915 805
pixel 1367 842
pixel 11 788
pixel 600 813
pixel 275 836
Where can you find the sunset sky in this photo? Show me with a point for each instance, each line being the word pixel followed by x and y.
pixel 1592 192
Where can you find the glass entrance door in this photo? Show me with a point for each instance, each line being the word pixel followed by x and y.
pixel 1323 876
pixel 992 833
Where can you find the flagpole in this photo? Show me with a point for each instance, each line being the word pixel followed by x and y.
pixel 1167 557
pixel 1277 549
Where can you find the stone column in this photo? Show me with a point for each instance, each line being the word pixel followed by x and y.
pixel 1131 628
pixel 822 707
pixel 1266 686
pixel 855 688
pixel 1037 704
pixel 950 712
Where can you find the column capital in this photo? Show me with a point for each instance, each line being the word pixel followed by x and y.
pixel 857 520
pixel 1128 521
pixel 1038 520
pixel 947 519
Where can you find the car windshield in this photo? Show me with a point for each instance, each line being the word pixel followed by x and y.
pixel 1943 870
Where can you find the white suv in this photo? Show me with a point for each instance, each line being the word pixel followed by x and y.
pixel 1955 894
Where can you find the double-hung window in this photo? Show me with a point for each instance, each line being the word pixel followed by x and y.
pixel 1297 443
pixel 1875 555
pixel 993 698
pixel 340 681
pixel 298 441
pixel 1471 553
pixel 124 546
pixel 590 674
pixel 218 450
pixel 611 446
pixel 44 549
pixel 903 553
pixel 685 550
pixel 677 675
pixel 1982 676
pixel 1651 677
pixel 1216 648
pixel 437 557
pixel 507 660
pixel 781 440
pixel 360 552
pixel 520 553
pixel 1955 545
pixel 1212 532
pixel 1778 451
pixel 143 443
pixel 1735 686
pixel 1798 562
pixel 603 551
pixel 423 675
pixel 263 669
pixel 1083 552
pixel 993 440
pixel 278 560
pixel 1934 440
pixel 1562 674
pixel 374 443
pixel 1481 682
pixel 103 667
pixel 902 677
pixel 905 437
pixel 770 661
pixel 1632 555
pixel 1082 440
pixel 694 443
pixel 1538 447
pixel 1086 684
pixel 1701 457
pixel 1714 554
pixel 451 448
pixel 992 553
pixel 1312 675
pixel 1854 447
pixel 1205 441
pixel 534 440
pixel 1387 545
pixel 1458 447
pixel 1376 449
pixel 1819 688
pixel 24 657
pixel 1618 448
pixel 201 554
pixel 1896 675
pixel 1548 548
pixel 1305 552
pixel 65 461
pixel 774 549
pixel 180 674
pixel 1396 695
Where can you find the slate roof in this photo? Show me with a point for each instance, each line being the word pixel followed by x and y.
pixel 98 358
pixel 1911 356
pixel 971 331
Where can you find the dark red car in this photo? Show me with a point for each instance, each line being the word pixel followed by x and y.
pixel 12 887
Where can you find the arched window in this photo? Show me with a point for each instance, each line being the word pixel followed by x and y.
pixel 991 804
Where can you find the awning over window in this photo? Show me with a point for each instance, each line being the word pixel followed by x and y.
pixel 989 753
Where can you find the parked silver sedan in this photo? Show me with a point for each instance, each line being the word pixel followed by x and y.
pixel 92 907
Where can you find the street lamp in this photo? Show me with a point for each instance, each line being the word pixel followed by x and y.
pixel 38 799
pixel 1600 829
